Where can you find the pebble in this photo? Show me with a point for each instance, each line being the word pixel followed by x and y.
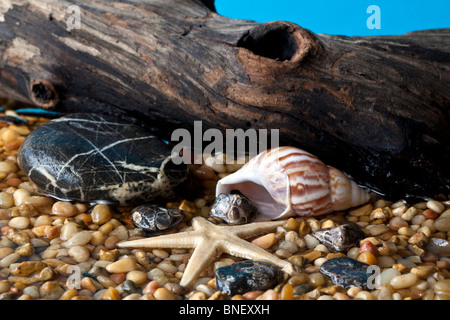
pixel 436 206
pixel 442 286
pixel 346 272
pixel 244 276
pixel 19 222
pixel 51 290
pixel 403 281
pixel 79 253
pixel 122 265
pixel 341 238
pixel 442 224
pixel 164 294
pixel 439 246
pixel 64 209
pixel 111 294
pixel 79 239
pixel 101 214
pixel 265 241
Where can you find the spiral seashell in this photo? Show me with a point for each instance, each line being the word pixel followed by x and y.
pixel 288 181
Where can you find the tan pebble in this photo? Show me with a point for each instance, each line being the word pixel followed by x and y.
pixel 19 222
pixel 111 294
pixel 18 236
pixel 436 206
pixel 105 281
pixel 160 253
pixel 269 295
pixel 69 294
pixel 364 295
pixel 265 241
pixel 403 281
pixel 396 223
pixel 367 258
pixel 328 224
pixel 8 166
pixel 118 278
pixel 196 296
pixel 9 259
pixel 164 294
pixel 6 200
pixel 252 295
pixel 317 279
pixel 378 229
pixel 303 228
pixel 111 241
pixel 98 238
pixel 353 291
pixel 79 239
pixel 312 255
pixel 51 290
pixel 138 277
pixel 25 250
pixel 101 214
pixel 21 196
pixel 442 224
pixel 151 287
pixel 341 296
pixel 361 211
pixel 68 230
pixel 64 209
pixel 43 220
pixel 28 267
pixel 5 251
pixel 442 286
pixel 122 265
pixel 108 255
pixel 88 284
pixel 410 213
pixel 79 253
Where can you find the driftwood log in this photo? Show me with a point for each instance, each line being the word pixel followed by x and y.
pixel 378 108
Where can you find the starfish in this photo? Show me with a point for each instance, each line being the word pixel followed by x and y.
pixel 209 241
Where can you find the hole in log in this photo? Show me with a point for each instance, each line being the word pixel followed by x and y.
pixel 43 94
pixel 272 41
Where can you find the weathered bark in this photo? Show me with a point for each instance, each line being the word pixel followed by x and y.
pixel 375 107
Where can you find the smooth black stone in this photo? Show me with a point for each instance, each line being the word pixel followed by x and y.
pixel 346 272
pixel 244 276
pixel 100 159
pixel 302 289
pixel 130 287
pixel 340 238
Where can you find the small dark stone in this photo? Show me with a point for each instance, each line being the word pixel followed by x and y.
pixel 346 272
pixel 441 247
pixel 130 287
pixel 9 296
pixel 302 289
pixel 156 219
pixel 100 159
pixel 341 238
pixel 244 276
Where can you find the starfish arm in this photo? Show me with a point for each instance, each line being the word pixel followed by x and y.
pixel 253 229
pixel 176 240
pixel 244 249
pixel 204 253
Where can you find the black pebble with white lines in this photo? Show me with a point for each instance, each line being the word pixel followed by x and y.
pixel 100 159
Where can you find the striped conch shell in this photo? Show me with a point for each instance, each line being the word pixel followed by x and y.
pixel 288 181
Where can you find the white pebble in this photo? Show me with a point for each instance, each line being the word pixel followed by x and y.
pixel 311 242
pixel 436 206
pixel 20 196
pixel 79 239
pixel 403 281
pixel 9 259
pixel 387 275
pixel 79 253
pixel 19 222
pixel 68 230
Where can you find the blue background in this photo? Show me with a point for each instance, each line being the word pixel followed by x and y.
pixel 343 17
